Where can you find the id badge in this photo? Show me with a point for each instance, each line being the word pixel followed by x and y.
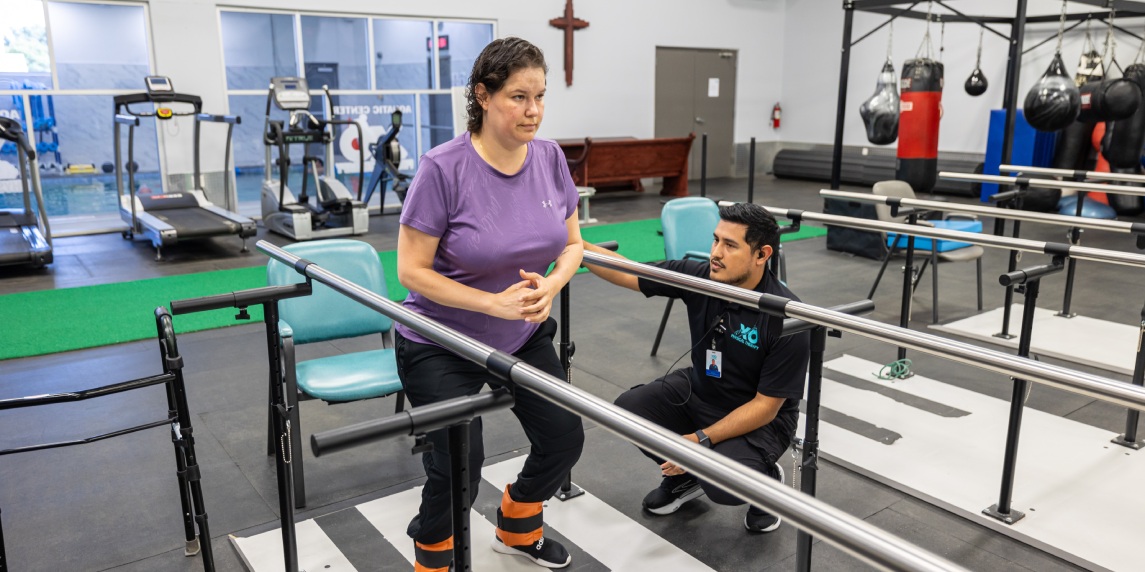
pixel 715 361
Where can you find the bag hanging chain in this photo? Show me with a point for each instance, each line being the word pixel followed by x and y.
pixel 1110 42
pixel 981 33
pixel 1140 52
pixel 890 40
pixel 926 37
pixel 941 39
pixel 1061 29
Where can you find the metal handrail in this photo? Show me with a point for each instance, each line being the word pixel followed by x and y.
pixel 1086 384
pixel 1008 243
pixel 1043 183
pixel 852 535
pixel 1012 214
pixel 1098 175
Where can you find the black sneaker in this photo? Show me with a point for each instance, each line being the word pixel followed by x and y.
pixel 546 552
pixel 760 521
pixel 672 493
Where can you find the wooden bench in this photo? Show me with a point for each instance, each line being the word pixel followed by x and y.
pixel 621 161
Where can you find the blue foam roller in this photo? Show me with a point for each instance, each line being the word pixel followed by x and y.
pixel 1089 209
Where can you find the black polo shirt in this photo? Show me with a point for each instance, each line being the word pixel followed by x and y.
pixel 756 359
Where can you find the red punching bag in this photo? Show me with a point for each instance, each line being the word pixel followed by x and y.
pixel 919 112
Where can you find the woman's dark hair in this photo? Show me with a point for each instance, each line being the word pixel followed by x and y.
pixel 492 69
pixel 761 226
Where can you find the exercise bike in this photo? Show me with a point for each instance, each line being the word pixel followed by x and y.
pixel 387 154
pixel 334 211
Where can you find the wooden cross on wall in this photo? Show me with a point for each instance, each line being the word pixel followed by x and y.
pixel 569 24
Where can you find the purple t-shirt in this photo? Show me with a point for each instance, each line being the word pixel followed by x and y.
pixel 490 226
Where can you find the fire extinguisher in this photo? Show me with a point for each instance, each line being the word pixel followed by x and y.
pixel 776 114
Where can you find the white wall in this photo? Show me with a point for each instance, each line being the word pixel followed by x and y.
pixel 614 69
pixel 812 56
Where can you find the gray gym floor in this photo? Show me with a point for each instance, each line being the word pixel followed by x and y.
pixel 113 506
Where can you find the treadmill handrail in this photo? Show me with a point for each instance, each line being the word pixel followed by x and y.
pixel 11 130
pixel 122 101
pixel 127 119
pixel 232 119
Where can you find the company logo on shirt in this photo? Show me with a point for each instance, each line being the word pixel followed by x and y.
pixel 546 204
pixel 748 336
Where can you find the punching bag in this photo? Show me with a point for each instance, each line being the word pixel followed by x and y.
pixel 1124 138
pixel 880 112
pixel 920 110
pixel 1109 100
pixel 1127 205
pixel 976 83
pixel 1053 102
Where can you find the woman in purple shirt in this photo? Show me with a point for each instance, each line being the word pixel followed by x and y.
pixel 486 215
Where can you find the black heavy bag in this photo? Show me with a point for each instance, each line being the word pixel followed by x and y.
pixel 1053 102
pixel 1073 146
pixel 880 112
pixel 1125 137
pixel 920 110
pixel 1127 205
pixel 976 83
pixel 1109 100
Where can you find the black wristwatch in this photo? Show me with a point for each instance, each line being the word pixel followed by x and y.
pixel 704 439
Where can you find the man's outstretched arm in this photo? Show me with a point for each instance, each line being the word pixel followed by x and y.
pixel 615 276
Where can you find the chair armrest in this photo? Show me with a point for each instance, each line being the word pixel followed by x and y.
pixel 284 329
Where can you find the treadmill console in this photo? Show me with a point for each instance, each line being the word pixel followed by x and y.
pixel 290 93
pixel 158 85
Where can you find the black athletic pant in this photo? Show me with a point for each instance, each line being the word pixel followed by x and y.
pixel 430 374
pixel 663 402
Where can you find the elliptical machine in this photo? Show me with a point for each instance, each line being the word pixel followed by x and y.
pixel 387 154
pixel 334 211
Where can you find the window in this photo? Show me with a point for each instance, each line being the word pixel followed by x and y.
pixel 99 46
pixel 62 90
pixel 402 56
pixel 335 52
pixel 24 62
pixel 460 43
pixel 257 47
pixel 372 65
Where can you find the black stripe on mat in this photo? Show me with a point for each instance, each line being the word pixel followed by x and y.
pixel 858 426
pixel 489 500
pixel 927 405
pixel 361 543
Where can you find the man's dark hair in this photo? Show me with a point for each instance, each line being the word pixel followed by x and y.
pixel 761 226
pixel 492 69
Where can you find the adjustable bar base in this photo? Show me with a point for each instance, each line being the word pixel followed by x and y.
pixel 1008 518
pixel 1065 315
pixel 573 492
pixel 1004 336
pixel 1121 440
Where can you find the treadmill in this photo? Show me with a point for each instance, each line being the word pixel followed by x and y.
pixel 166 219
pixel 25 237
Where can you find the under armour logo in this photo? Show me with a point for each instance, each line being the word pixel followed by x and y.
pixel 546 204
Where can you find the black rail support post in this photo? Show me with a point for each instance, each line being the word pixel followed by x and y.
pixel 907 282
pixel 1129 438
pixel 1074 239
pixel 1008 301
pixel 810 462
pixel 459 478
pixel 841 99
pixel 568 490
pixel 283 454
pixel 1030 280
pixel 751 172
pixel 3 554
pixel 704 165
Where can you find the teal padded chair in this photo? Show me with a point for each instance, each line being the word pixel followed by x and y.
pixel 688 224
pixel 327 315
